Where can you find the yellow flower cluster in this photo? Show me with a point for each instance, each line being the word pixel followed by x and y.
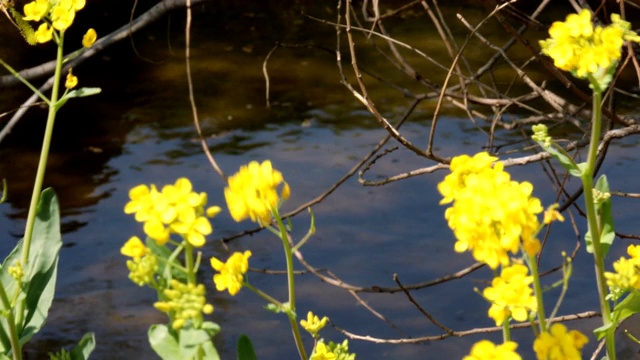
pixel 627 273
pixel 332 351
pixel 143 265
pixel 313 324
pixel 491 215
pixel 560 344
pixel 175 209
pixel 184 302
pixel 511 294
pixel 253 192
pixel 577 46
pixel 231 274
pixel 486 350
pixel 55 15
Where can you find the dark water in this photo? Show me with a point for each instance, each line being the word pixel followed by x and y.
pixel 139 130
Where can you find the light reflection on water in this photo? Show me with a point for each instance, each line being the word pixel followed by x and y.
pixel 139 131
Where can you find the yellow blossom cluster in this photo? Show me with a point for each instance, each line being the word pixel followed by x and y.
pixel 626 276
pixel 560 344
pixel 184 302
pixel 577 46
pixel 231 274
pixel 486 350
pixel 511 295
pixel 143 264
pixel 332 351
pixel 175 209
pixel 55 15
pixel 491 215
pixel 253 192
pixel 313 324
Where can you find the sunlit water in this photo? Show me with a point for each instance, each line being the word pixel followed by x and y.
pixel 140 131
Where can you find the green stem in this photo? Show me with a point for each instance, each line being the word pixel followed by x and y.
pixel 291 286
pixel 542 319
pixel 16 349
pixel 188 259
pixel 42 165
pixel 263 295
pixel 592 219
pixel 506 330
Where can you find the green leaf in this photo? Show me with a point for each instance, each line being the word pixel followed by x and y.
pixel 627 307
pixel 85 347
pixel 565 160
pixel 82 92
pixel 606 217
pixel 245 349
pixel 194 341
pixel 164 342
pixel 39 280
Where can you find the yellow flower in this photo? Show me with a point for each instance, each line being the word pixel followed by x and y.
pixel 577 46
pixel 560 344
pixel 626 277
pixel 134 247
pixel 510 294
pixel 486 350
pixel 552 214
pixel 62 15
pixel 72 81
pixel 36 10
pixel 323 352
pixel 44 33
pixel 78 4
pixel 491 215
pixel 231 274
pixel 89 38
pixel 253 192
pixel 313 324
pixel 184 302
pixel 176 209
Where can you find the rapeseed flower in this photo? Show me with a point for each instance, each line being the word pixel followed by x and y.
pixel 491 215
pixel 89 38
pixel 575 45
pixel 323 352
pixel 560 344
pixel 626 275
pixel 252 192
pixel 231 274
pixel 54 14
pixel 175 209
pixel 486 350
pixel 72 81
pixel 511 294
pixel 184 302
pixel 313 324
pixel 134 248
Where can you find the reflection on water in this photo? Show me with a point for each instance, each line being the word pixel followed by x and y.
pixel 139 131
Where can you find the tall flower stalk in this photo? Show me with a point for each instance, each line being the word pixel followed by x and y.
pixel 54 18
pixel 592 53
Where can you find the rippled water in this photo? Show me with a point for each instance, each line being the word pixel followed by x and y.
pixel 139 130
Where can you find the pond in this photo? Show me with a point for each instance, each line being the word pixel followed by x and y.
pixel 140 130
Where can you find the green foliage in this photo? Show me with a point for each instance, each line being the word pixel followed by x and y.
pixel 245 349
pixel 605 216
pixel 26 30
pixel 185 343
pixel 79 352
pixel 37 287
